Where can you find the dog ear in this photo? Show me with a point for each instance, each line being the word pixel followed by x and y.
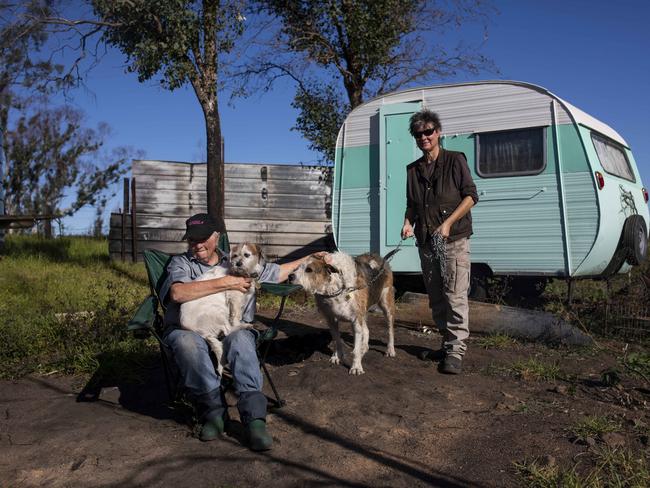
pixel 260 253
pixel 331 269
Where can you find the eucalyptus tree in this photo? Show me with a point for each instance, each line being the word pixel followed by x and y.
pixel 51 156
pixel 180 42
pixel 57 165
pixel 27 72
pixel 343 52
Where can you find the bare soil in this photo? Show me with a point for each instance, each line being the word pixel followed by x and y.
pixel 401 424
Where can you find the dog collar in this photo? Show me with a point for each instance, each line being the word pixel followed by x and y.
pixel 340 292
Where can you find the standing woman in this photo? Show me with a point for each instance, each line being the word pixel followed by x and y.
pixel 439 195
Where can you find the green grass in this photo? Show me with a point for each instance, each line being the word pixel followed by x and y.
pixel 638 363
pixel 593 427
pixel 534 369
pixel 297 300
pixel 532 474
pixel 496 341
pixel 609 468
pixel 64 306
pixel 529 370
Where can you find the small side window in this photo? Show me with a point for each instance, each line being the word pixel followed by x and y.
pixel 511 153
pixel 612 157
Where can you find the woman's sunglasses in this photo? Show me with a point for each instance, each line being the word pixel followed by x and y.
pixel 425 132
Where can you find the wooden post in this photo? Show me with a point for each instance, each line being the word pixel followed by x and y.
pixel 608 294
pixel 134 237
pixel 570 290
pixel 125 212
pixel 222 185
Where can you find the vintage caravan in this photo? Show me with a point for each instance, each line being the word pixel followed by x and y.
pixel 560 192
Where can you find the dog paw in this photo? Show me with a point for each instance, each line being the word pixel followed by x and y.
pixel 390 353
pixel 356 370
pixel 335 360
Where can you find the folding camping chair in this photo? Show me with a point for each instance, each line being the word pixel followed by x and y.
pixel 148 319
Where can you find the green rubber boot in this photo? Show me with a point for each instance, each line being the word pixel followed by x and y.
pixel 212 428
pixel 258 437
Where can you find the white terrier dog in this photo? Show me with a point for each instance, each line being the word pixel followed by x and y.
pixel 215 316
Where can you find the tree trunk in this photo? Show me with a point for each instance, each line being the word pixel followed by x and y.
pixel 47 223
pixel 355 93
pixel 214 188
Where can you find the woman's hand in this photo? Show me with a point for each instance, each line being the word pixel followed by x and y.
pixel 444 229
pixel 407 231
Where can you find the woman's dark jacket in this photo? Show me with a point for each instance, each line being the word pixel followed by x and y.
pixel 430 201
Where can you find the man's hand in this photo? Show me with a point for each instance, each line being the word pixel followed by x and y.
pixel 237 283
pixel 407 231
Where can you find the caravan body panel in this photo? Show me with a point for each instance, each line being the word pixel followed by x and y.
pixel 551 221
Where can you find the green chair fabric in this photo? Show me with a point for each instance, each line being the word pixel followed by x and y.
pixel 148 318
pixel 279 289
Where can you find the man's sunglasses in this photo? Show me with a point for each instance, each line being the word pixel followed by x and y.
pixel 425 132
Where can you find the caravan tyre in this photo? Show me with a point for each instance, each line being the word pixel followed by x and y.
pixel 635 239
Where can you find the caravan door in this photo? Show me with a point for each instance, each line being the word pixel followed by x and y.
pixel 397 150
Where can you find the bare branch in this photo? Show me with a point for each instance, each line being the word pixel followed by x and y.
pixel 75 23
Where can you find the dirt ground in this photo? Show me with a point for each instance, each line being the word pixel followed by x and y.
pixel 401 424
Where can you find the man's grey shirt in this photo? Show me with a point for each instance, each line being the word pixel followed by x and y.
pixel 184 268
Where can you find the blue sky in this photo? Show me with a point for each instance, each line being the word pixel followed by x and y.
pixel 593 54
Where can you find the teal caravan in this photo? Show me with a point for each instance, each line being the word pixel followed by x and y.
pixel 560 192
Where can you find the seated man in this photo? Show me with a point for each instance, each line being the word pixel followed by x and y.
pixel 191 351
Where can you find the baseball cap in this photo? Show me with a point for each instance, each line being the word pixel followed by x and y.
pixel 201 226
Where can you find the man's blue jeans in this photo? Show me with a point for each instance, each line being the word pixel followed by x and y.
pixel 192 356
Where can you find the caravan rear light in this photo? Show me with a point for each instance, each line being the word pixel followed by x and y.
pixel 645 194
pixel 600 180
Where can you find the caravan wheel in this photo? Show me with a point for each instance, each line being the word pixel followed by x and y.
pixel 635 239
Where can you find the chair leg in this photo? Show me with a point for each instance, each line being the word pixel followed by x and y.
pixel 167 369
pixel 279 402
pixel 168 374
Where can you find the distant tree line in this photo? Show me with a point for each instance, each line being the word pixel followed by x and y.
pixel 338 54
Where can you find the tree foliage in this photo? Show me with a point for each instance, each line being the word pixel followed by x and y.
pixel 26 71
pixel 343 52
pixel 52 156
pixel 181 42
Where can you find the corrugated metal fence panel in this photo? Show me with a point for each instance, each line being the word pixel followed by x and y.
pixel 2 192
pixel 284 208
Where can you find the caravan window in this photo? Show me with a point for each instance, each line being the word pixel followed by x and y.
pixel 612 157
pixel 511 152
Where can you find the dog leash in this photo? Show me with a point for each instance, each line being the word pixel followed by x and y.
pixel 385 260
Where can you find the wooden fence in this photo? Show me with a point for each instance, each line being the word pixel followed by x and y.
pixel 284 208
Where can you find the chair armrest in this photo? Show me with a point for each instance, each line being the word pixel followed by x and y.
pixel 144 318
pixel 279 289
